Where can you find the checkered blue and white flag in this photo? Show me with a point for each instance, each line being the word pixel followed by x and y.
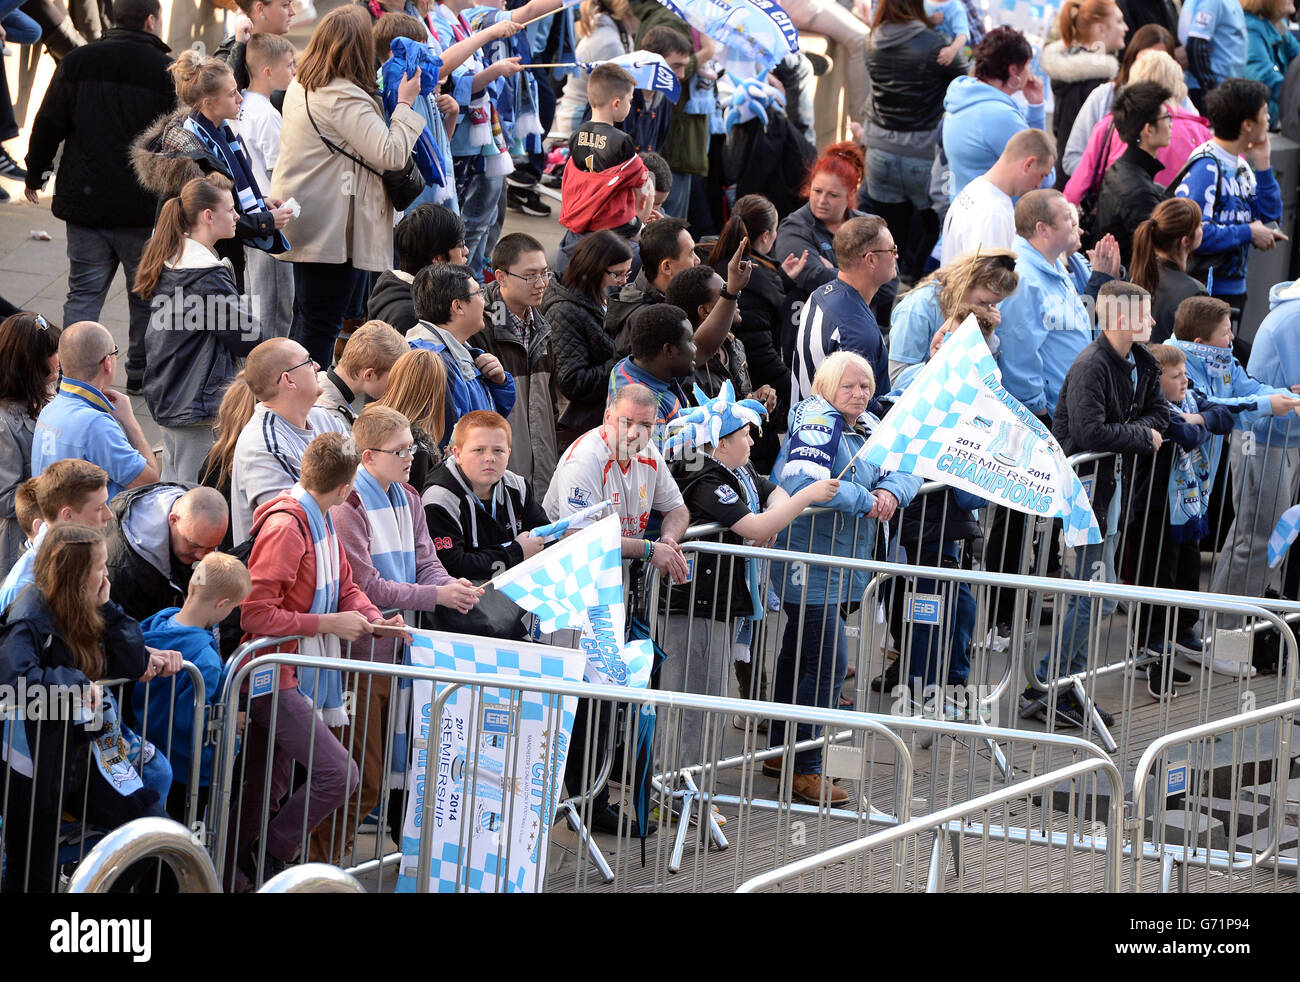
pixel 956 424
pixel 559 583
pixel 578 520
pixel 1288 526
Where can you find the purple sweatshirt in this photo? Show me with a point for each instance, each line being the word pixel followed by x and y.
pixel 352 525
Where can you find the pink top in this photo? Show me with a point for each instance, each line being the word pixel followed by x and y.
pixel 1190 131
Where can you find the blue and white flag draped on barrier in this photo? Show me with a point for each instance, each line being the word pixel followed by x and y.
pixel 497 770
pixel 956 424
pixel 649 70
pixel 1288 526
pixel 578 520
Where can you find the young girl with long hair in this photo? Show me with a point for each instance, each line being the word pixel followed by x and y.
pixel 200 323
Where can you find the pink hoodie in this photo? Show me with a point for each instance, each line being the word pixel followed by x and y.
pixel 1190 131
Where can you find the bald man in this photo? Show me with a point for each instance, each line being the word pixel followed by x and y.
pixel 88 420
pixel 162 531
pixel 268 454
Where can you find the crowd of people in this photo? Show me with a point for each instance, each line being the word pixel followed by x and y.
pixel 370 392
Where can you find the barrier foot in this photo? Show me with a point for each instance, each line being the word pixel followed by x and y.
pixel 1107 741
pixel 690 798
pixel 585 845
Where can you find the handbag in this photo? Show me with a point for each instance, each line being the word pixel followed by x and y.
pixel 1088 204
pixel 402 186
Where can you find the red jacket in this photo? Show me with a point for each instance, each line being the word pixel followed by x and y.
pixel 283 568
pixel 593 200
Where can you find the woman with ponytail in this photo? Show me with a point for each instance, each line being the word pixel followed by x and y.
pixel 765 308
pixel 200 323
pixel 1092 35
pixel 197 141
pixel 62 630
pixel 1161 246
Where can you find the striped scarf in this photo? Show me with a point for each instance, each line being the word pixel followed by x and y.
pixel 327 690
pixel 226 146
pixel 392 535
pixel 392 548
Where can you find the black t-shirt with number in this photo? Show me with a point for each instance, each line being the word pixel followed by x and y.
pixel 714 494
pixel 598 146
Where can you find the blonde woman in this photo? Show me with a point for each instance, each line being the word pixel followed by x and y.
pixel 827 432
pixel 982 281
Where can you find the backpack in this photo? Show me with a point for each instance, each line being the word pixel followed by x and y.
pixel 1200 264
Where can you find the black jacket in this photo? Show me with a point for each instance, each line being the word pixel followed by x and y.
pixel 1174 287
pixel 907 82
pixel 100 97
pixel 31 647
pixel 720 577
pixel 139 532
pixel 1128 195
pixel 584 355
pixel 770 160
pixel 1101 410
pixel 1138 13
pixel 477 542
pixel 200 325
pixel 390 301
pixel 635 295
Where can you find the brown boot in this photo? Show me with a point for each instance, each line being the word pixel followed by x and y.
pixel 817 790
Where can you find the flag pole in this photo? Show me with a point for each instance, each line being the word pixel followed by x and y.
pixel 554 64
pixel 970 275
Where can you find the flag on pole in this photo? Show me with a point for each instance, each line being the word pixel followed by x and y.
pixel 956 424
pixel 756 33
pixel 649 70
pixel 1288 526
pixel 559 584
pixel 578 520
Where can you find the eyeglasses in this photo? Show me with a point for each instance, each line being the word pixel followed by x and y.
pixel 309 361
pixel 537 279
pixel 893 249
pixel 618 275
pixel 401 454
pixel 476 293
pixel 113 354
pixel 1161 119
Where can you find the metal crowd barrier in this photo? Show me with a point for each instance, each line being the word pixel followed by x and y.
pixel 75 822
pixel 1022 847
pixel 141 840
pixel 1217 807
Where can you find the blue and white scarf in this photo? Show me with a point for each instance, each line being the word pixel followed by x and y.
pixel 816 428
pixel 1189 484
pixel 226 146
pixel 392 548
pixel 327 691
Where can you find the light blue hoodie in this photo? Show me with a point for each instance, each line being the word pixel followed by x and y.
pixel 978 121
pixel 1275 361
pixel 1045 324
pixel 1216 374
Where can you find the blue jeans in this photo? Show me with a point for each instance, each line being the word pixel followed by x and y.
pixel 678 202
pixel 19 28
pixel 1090 563
pixel 480 201
pixel 893 179
pixel 93 257
pixel 954 630
pixel 810 671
